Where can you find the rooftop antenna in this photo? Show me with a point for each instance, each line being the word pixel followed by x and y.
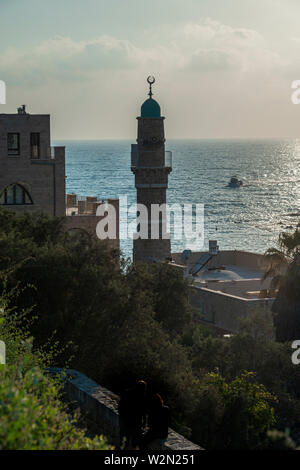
pixel 22 109
pixel 151 81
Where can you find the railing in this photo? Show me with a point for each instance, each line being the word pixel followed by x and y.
pixel 135 157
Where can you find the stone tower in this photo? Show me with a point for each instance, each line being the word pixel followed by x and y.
pixel 151 165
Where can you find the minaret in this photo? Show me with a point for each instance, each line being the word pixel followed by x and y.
pixel 151 165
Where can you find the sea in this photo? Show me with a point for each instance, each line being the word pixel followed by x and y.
pixel 249 218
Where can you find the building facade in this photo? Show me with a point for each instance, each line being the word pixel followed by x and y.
pixel 228 288
pixel 32 173
pixel 82 216
pixel 151 166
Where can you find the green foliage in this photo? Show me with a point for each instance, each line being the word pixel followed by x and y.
pixel 232 415
pixel 32 415
pixel 36 226
pixel 253 350
pixel 72 286
pixel 126 322
pixel 171 306
pixel 283 265
pixel 260 326
pixel 278 440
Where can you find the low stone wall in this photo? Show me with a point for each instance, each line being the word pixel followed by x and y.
pixel 238 287
pixel 101 407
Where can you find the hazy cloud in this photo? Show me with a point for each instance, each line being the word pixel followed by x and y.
pixel 219 46
pixel 63 58
pixel 94 87
pixel 206 46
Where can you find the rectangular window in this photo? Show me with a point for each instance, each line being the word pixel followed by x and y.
pixel 13 143
pixel 35 144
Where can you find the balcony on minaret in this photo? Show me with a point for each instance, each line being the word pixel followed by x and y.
pixel 145 161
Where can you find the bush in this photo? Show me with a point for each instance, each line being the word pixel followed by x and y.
pixel 277 440
pixel 33 416
pixel 232 415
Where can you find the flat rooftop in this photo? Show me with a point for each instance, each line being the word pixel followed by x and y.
pixel 231 272
pixel 245 261
pixel 85 205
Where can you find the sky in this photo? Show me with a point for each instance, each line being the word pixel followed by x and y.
pixel 223 68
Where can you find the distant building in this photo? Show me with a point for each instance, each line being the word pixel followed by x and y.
pixel 151 165
pixel 32 174
pixel 226 287
pixel 81 216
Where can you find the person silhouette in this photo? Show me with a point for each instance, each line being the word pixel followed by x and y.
pixel 158 422
pixel 132 414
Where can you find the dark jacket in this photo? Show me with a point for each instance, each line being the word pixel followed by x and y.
pixel 159 421
pixel 132 409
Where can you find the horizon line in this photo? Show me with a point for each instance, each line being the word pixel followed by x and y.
pixel 176 138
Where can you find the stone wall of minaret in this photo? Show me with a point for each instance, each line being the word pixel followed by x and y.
pixel 151 181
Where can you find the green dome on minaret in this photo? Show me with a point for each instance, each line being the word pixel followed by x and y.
pixel 150 108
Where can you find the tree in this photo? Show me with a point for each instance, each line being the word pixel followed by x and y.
pixel 171 306
pixel 127 322
pixel 33 416
pixel 110 311
pixel 232 415
pixel 283 265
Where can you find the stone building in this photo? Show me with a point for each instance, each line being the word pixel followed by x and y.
pixel 151 165
pixel 227 287
pixel 82 216
pixel 32 174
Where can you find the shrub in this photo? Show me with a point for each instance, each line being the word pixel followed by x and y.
pixel 232 415
pixel 33 416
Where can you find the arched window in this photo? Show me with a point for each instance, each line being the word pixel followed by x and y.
pixel 15 194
